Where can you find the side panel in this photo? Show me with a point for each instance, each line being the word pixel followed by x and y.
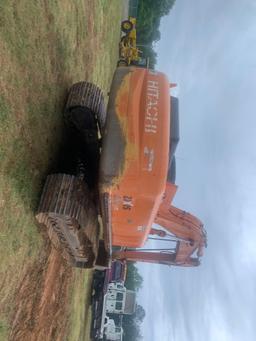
pixel 135 153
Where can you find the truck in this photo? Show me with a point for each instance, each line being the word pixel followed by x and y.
pixel 101 323
pixel 119 300
pixel 113 300
pixel 112 332
pixel 115 274
pixel 118 190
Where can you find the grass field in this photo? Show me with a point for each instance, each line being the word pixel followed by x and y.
pixel 79 328
pixel 45 47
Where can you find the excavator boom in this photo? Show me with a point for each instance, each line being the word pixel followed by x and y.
pixel 182 227
pixel 154 257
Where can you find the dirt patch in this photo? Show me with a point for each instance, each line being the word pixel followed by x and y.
pixel 41 301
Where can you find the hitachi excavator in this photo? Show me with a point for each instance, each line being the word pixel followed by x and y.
pixel 117 190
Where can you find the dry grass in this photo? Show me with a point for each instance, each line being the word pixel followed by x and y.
pixel 45 47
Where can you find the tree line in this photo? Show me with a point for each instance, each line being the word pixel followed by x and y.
pixel 149 15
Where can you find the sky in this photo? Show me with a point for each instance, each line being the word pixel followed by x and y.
pixel 208 47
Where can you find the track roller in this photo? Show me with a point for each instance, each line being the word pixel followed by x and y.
pixel 87 95
pixel 67 211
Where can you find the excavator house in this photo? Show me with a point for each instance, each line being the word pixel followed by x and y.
pixel 118 191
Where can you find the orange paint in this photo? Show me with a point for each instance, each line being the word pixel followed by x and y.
pixel 133 172
pixel 143 110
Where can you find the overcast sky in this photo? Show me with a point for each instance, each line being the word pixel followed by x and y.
pixel 209 48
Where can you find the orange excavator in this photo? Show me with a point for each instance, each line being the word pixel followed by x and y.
pixel 122 179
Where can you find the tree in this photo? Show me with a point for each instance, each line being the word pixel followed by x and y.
pixel 131 328
pixel 148 23
pixel 134 280
pixel 149 16
pixel 140 314
pixel 149 52
pixel 131 324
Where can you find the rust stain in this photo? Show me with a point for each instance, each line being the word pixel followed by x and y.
pixel 121 107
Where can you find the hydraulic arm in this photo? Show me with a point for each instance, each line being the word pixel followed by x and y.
pixel 178 226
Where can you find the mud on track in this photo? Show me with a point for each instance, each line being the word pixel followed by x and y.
pixel 41 311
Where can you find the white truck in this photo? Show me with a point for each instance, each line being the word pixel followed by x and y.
pixel 119 300
pixel 111 331
pixel 116 300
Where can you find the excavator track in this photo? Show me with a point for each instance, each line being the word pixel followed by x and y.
pixel 84 94
pixel 70 217
pixel 67 207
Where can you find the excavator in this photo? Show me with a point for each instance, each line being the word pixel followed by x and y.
pixel 117 189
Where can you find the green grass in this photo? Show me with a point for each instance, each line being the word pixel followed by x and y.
pixel 4 329
pixel 80 314
pixel 45 47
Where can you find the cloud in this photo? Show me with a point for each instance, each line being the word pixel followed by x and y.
pixel 209 49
